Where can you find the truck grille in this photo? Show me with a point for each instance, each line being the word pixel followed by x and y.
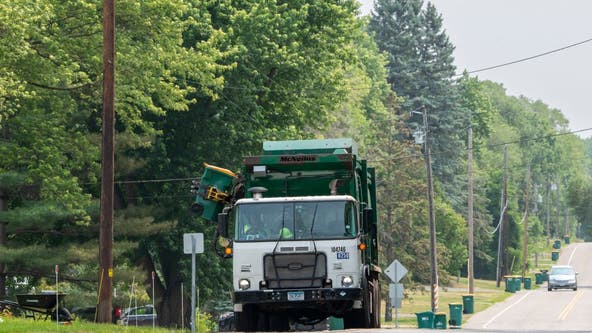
pixel 298 270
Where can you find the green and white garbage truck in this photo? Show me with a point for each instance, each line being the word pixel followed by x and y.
pixel 304 241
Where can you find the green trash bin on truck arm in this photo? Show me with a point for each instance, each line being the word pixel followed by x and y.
pixel 527 283
pixel 425 319
pixel 455 314
pixel 555 255
pixel 213 191
pixel 440 320
pixel 468 304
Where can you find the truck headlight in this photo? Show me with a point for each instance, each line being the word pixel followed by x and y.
pixel 244 284
pixel 347 281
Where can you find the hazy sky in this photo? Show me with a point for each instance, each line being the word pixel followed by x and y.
pixel 491 32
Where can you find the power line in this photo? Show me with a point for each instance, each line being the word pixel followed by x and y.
pixel 527 58
pixel 537 138
pixel 154 180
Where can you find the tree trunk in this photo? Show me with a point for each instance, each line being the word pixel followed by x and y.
pixel 169 307
pixel 167 299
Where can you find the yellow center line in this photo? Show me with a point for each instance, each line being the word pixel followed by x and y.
pixel 570 306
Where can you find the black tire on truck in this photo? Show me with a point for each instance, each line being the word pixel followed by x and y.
pixel 246 321
pixel 279 323
pixel 361 318
pixel 376 305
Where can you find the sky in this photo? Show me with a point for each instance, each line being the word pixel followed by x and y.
pixel 492 32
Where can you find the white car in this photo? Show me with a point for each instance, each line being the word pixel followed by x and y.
pixel 562 277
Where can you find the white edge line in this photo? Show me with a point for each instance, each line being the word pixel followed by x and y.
pixel 572 254
pixel 506 309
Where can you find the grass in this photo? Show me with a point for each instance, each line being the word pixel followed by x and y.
pixel 23 325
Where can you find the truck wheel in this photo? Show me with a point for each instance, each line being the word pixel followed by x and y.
pixel 279 323
pixel 376 305
pixel 246 320
pixel 360 318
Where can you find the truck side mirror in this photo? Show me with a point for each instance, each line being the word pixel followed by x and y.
pixel 367 217
pixel 222 227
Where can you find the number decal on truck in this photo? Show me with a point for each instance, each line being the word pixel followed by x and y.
pixel 342 255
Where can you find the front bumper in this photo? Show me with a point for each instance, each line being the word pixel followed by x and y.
pixel 298 297
pixel 563 284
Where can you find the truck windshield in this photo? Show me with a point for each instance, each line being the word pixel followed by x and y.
pixel 295 220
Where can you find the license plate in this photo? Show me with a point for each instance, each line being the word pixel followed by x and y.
pixel 295 295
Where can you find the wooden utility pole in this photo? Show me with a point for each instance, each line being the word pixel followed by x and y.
pixel 548 208
pixel 104 306
pixel 500 231
pixel 432 217
pixel 470 270
pixel 525 241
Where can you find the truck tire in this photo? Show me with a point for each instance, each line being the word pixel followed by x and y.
pixel 361 318
pixel 376 305
pixel 246 321
pixel 279 323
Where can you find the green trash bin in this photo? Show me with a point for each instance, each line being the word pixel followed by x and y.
pixel 468 304
pixel 335 324
pixel 544 274
pixel 555 255
pixel 527 283
pixel 509 283
pixel 213 192
pixel 566 239
pixel 557 244
pixel 538 278
pixel 425 319
pixel 517 280
pixel 455 314
pixel 440 320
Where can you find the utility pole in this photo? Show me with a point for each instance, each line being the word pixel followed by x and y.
pixel 525 241
pixel 502 219
pixel 432 217
pixel 547 207
pixel 470 270
pixel 104 306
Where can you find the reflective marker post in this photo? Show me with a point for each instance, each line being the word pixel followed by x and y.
pixel 57 297
pixel 192 284
pixel 193 243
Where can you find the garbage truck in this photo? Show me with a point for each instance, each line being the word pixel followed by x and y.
pixel 300 224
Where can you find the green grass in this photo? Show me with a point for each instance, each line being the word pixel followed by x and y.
pixel 22 325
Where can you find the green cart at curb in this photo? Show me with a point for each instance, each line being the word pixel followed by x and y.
pixel 468 304
pixel 440 320
pixel 425 319
pixel 455 314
